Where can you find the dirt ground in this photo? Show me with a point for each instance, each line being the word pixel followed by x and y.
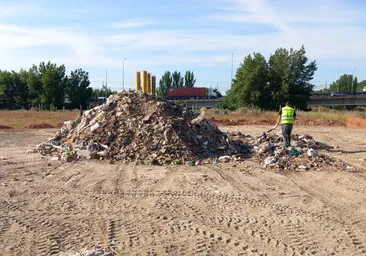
pixel 49 208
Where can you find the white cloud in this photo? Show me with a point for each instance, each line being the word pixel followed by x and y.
pixel 132 23
pixel 327 29
pixel 328 33
pixel 11 10
pixel 22 46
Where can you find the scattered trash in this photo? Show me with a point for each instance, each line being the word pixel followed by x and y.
pixel 295 152
pixel 301 156
pixel 349 168
pixel 84 153
pixel 312 152
pixel 55 158
pixel 270 160
pixel 302 167
pixel 224 158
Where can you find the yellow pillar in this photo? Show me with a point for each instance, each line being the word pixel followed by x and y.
pixel 153 85
pixel 138 81
pixel 144 81
pixel 148 83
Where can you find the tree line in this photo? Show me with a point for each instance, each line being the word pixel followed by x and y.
pixel 346 83
pixel 266 85
pixel 175 80
pixel 45 85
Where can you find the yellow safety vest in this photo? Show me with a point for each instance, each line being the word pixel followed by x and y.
pixel 287 116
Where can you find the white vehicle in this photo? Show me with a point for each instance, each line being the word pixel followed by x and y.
pixel 364 89
pixel 102 98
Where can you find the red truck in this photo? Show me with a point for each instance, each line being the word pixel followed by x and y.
pixel 187 92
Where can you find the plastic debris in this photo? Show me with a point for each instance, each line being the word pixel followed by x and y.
pixel 349 168
pixel 55 158
pixel 224 158
pixel 270 160
pixel 312 152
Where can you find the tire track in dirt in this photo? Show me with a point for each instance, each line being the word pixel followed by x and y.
pixel 235 223
pixel 301 238
pixel 225 226
pixel 53 233
pixel 240 220
pixel 283 213
pixel 353 183
pixel 113 242
pixel 4 225
pixel 338 206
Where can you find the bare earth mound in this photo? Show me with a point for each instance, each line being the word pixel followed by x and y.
pixel 5 127
pixel 39 126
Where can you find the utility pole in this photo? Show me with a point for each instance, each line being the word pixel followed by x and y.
pixel 352 79
pixel 232 67
pixel 339 78
pixel 123 74
pixel 104 88
pixel 106 82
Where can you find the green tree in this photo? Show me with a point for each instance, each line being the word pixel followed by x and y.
pixel 189 79
pixel 6 89
pixel 360 86
pixel 13 90
pixel 267 85
pixel 77 89
pixel 289 78
pixel 53 84
pixel 165 84
pixel 102 92
pixel 344 84
pixel 217 93
pixel 34 85
pixel 177 80
pixel 249 84
pixel 20 95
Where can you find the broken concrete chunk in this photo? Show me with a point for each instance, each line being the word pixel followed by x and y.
pixel 224 158
pixel 270 160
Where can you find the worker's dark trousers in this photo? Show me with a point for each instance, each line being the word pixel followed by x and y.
pixel 286 132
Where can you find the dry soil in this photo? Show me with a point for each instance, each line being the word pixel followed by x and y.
pixel 49 208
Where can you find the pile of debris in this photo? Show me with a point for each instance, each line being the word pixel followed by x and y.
pixel 301 156
pixel 134 126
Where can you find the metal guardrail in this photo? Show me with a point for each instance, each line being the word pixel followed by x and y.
pixel 321 100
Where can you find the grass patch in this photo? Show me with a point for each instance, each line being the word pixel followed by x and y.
pixel 20 119
pixel 320 117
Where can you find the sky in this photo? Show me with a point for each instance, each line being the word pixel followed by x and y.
pixel 203 36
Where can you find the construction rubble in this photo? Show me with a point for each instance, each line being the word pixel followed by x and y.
pixel 303 154
pixel 134 126
pixel 137 127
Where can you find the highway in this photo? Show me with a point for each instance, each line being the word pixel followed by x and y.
pixel 350 100
pixel 358 100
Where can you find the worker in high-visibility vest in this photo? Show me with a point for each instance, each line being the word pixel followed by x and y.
pixel 287 116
